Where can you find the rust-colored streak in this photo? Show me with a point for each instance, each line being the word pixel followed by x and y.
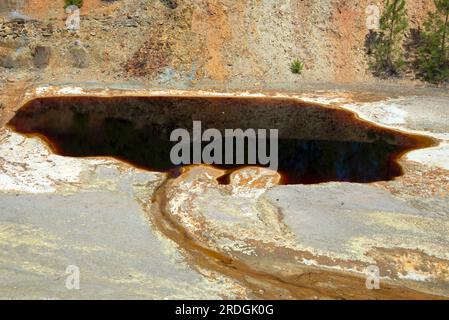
pixel 262 285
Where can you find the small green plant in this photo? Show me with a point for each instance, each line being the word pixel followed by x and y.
pixel 387 50
pixel 78 3
pixel 434 51
pixel 296 67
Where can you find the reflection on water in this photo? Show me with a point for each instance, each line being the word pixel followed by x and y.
pixel 316 144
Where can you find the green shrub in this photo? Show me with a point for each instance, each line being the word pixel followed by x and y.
pixel 434 51
pixel 296 67
pixel 78 3
pixel 387 52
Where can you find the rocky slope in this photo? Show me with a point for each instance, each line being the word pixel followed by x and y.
pixel 250 42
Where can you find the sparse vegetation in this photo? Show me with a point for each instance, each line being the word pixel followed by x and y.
pixel 387 52
pixel 296 66
pixel 434 51
pixel 78 3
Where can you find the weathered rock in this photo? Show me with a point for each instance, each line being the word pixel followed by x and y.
pixel 347 227
pixel 288 229
pixel 18 17
pixel 131 23
pixel 7 30
pixel 87 213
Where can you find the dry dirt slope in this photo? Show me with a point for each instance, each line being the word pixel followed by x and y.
pixel 219 40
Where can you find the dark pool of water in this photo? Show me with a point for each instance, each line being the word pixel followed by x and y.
pixel 316 144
